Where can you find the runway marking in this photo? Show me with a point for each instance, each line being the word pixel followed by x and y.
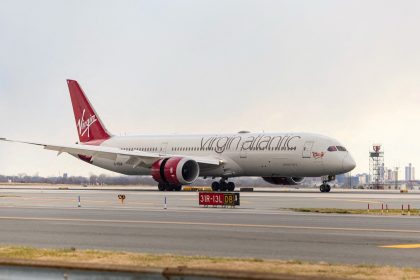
pixel 201 210
pixel 402 246
pixel 209 224
pixel 72 200
pixel 354 200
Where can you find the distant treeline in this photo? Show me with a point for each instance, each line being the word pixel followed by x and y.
pixel 114 180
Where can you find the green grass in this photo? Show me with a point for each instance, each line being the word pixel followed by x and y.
pixel 283 268
pixel 413 212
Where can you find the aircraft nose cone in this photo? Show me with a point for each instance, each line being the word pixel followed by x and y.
pixel 348 163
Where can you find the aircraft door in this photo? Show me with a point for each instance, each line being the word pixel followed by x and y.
pixel 307 149
pixel 163 147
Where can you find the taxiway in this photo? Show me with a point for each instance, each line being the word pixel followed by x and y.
pixel 262 227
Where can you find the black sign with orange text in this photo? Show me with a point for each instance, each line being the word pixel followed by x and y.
pixel 218 199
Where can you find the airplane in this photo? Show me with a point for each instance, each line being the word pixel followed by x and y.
pixel 177 160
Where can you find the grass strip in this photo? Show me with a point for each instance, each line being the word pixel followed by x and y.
pixel 394 212
pixel 292 268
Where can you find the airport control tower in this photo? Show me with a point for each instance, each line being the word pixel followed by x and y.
pixel 376 167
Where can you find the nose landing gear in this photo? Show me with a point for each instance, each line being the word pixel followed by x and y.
pixel 325 187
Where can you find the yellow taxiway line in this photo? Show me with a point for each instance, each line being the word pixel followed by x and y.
pixel 402 246
pixel 352 200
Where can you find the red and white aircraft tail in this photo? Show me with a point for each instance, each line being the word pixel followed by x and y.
pixel 89 125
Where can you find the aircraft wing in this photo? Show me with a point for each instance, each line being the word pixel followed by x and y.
pixel 134 158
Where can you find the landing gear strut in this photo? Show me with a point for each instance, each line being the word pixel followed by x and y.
pixel 223 186
pixel 325 187
pixel 169 187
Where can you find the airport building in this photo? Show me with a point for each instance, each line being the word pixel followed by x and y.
pixel 409 173
pixel 363 179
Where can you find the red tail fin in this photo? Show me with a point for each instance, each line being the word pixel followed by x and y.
pixel 88 123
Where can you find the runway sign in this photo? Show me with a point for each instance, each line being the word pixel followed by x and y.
pixel 121 197
pixel 218 198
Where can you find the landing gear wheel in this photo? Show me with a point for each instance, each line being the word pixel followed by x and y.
pixel 215 186
pixel 231 186
pixel 178 188
pixel 166 187
pixel 327 188
pixel 223 186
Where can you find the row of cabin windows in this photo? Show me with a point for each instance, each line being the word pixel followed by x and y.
pixel 177 149
pixel 150 149
pixel 182 149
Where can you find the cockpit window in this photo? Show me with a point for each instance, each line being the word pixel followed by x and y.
pixel 332 149
pixel 341 149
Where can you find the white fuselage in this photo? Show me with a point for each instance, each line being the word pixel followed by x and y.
pixel 242 154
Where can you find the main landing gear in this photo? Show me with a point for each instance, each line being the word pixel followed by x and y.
pixel 223 186
pixel 169 187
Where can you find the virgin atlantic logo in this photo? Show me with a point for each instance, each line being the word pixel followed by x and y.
pixel 84 124
pixel 318 155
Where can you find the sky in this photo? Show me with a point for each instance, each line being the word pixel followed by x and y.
pixel 346 69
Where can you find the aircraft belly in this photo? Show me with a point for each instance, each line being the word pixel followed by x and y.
pixel 283 166
pixel 120 167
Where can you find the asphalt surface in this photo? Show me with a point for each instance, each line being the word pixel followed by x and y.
pixel 21 273
pixel 262 227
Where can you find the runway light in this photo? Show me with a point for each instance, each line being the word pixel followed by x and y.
pixel 79 204
pixel 165 204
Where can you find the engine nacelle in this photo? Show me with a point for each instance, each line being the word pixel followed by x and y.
pixel 284 180
pixel 175 171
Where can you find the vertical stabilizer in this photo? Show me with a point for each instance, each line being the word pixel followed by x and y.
pixel 89 125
